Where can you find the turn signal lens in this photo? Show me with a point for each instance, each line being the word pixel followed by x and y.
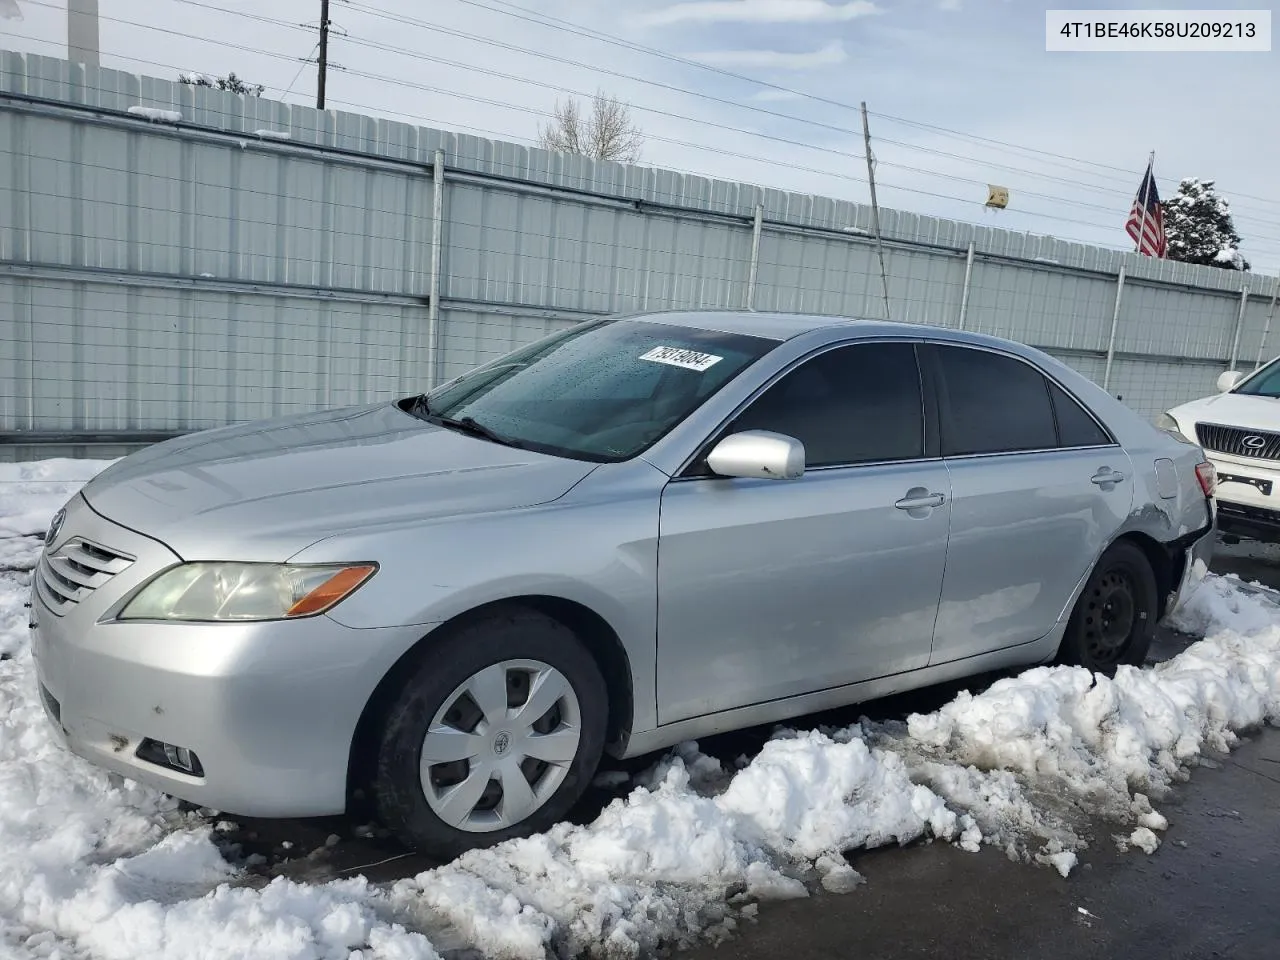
pixel 331 591
pixel 1207 474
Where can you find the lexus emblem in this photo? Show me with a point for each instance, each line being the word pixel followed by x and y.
pixel 55 527
pixel 1254 442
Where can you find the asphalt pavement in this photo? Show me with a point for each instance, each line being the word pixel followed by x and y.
pixel 1212 890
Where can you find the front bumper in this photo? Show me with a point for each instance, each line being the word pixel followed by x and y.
pixel 1248 496
pixel 1245 520
pixel 269 709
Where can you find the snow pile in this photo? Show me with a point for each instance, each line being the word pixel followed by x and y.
pixel 156 115
pixel 31 493
pixel 95 866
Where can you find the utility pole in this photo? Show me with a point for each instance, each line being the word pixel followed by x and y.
pixel 323 59
pixel 875 207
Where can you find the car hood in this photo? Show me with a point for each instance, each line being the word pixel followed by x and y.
pixel 1233 410
pixel 265 490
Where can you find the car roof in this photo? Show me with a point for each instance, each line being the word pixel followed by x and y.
pixel 777 326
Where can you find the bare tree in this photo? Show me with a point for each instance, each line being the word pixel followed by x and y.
pixel 606 134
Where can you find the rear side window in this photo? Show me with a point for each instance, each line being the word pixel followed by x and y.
pixel 992 404
pixel 1075 427
pixel 856 404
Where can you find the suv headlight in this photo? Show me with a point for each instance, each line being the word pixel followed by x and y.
pixel 1169 425
pixel 245 591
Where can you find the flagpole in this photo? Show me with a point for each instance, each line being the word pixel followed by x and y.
pixel 1142 224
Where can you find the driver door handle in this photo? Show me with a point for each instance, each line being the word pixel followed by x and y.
pixel 921 502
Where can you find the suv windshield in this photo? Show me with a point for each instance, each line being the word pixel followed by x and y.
pixel 1264 383
pixel 604 390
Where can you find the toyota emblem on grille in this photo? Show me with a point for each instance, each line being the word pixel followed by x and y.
pixel 55 527
pixel 1254 442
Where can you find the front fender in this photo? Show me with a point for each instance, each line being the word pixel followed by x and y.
pixel 596 551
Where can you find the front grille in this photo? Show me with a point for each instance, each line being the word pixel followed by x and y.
pixel 76 569
pixel 1256 444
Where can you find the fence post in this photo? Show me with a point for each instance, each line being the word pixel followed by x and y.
pixel 1115 324
pixel 964 296
pixel 756 229
pixel 1235 340
pixel 433 307
pixel 1266 327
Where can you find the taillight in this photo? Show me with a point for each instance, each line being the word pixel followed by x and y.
pixel 1207 474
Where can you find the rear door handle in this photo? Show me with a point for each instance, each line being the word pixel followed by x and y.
pixel 921 502
pixel 1106 475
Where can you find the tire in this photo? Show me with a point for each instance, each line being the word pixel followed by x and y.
pixel 452 710
pixel 1115 618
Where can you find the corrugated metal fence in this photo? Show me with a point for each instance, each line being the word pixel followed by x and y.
pixel 174 258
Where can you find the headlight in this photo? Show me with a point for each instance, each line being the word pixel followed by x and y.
pixel 244 591
pixel 1169 425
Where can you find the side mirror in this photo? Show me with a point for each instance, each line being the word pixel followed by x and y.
pixel 1229 380
pixel 758 454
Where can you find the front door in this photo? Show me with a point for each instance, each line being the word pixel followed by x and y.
pixel 1039 489
pixel 769 589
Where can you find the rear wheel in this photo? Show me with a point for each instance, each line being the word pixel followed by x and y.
pixel 1115 617
pixel 496 735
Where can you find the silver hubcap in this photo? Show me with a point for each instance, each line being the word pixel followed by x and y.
pixel 500 746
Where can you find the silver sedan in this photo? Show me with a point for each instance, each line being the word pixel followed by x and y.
pixel 636 531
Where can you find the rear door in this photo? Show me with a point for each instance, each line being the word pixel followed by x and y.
pixel 1039 489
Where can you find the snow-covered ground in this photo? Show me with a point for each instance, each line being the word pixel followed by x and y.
pixel 93 866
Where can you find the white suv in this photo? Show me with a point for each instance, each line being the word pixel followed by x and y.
pixel 1239 430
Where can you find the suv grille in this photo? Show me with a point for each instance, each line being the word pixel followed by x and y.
pixel 74 571
pixel 1259 444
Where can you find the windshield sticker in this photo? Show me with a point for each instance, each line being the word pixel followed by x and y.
pixel 679 357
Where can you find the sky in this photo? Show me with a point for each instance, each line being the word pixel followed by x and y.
pixel 961 93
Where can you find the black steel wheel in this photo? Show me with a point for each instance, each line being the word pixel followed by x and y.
pixel 1115 617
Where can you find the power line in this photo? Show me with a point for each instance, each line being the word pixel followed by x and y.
pixel 449 31
pixel 526 110
pixel 510 136
pixel 533 16
pixel 551 57
pixel 302 66
pixel 753 133
pixel 843 154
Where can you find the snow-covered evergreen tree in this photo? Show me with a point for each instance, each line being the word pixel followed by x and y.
pixel 1199 229
pixel 231 83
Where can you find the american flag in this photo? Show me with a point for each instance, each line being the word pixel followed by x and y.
pixel 1145 225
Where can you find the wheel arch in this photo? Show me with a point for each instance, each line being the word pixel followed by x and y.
pixel 1165 559
pixel 593 630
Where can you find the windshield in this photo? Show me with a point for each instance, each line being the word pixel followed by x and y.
pixel 604 390
pixel 1264 383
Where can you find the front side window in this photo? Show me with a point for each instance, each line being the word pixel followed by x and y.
pixel 992 403
pixel 855 404
pixel 603 390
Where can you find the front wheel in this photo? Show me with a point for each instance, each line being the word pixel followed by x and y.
pixel 1115 617
pixel 496 735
